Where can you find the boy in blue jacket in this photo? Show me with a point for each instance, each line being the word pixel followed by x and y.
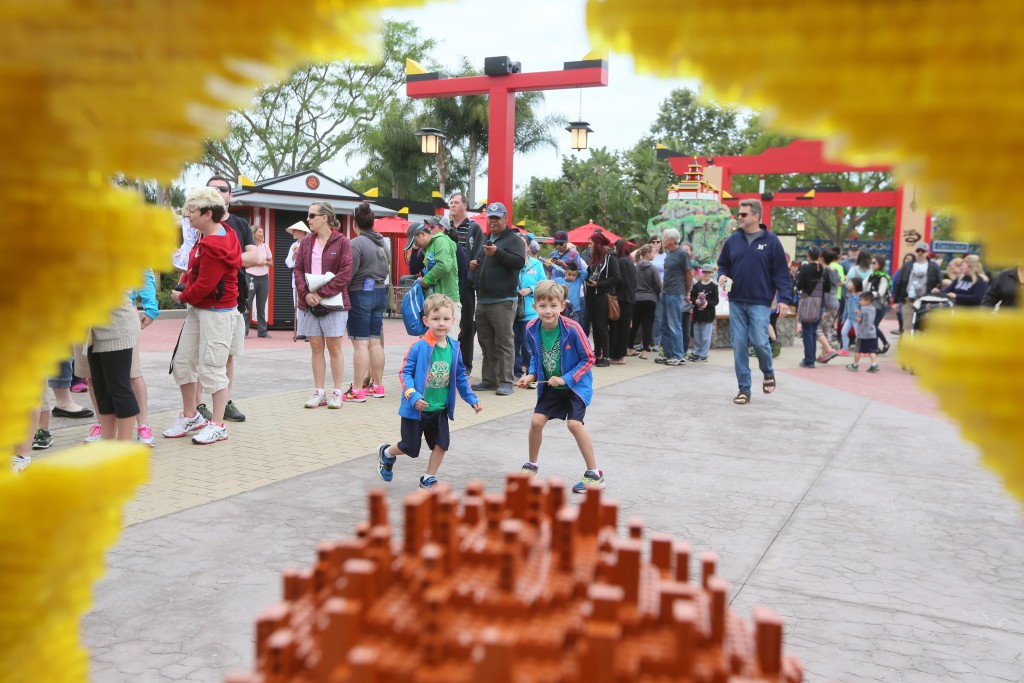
pixel 432 369
pixel 563 361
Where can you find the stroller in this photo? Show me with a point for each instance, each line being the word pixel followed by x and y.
pixel 924 306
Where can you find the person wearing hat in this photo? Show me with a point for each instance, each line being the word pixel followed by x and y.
pixel 497 284
pixel 564 254
pixel 297 231
pixel 441 268
pixel 915 279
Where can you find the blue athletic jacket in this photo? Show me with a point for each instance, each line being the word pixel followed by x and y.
pixel 414 377
pixel 758 269
pixel 577 357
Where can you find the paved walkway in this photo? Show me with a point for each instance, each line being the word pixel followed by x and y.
pixel 863 519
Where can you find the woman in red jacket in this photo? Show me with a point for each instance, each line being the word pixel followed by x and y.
pixel 324 250
pixel 211 292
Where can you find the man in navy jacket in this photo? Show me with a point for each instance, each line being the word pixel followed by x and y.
pixel 754 261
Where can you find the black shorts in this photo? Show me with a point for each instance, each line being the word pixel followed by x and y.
pixel 867 345
pixel 431 426
pixel 561 404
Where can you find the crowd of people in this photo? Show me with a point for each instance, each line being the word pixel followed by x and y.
pixel 541 322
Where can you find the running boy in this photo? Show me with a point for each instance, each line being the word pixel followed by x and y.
pixel 867 334
pixel 432 370
pixel 562 360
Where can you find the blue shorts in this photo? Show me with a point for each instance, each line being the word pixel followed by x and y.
pixel 366 317
pixel 561 404
pixel 867 345
pixel 432 426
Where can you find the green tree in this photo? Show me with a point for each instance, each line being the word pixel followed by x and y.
pixel 393 161
pixel 691 126
pixel 316 113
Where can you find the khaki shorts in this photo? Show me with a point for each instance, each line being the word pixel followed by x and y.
pixel 82 363
pixel 203 349
pixel 238 337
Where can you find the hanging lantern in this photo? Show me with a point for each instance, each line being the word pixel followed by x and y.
pixel 579 130
pixel 430 140
pixel 800 226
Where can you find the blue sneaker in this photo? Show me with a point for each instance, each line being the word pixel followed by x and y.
pixel 428 481
pixel 385 462
pixel 592 479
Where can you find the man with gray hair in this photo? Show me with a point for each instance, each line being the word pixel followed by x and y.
pixel 754 270
pixel 676 283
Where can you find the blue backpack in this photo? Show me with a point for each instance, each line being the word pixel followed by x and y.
pixel 412 311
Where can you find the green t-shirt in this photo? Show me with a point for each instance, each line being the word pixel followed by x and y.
pixel 551 353
pixel 438 377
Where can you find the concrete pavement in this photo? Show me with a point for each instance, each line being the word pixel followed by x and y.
pixel 845 503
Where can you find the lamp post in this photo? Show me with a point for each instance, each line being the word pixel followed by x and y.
pixel 579 130
pixel 800 226
pixel 430 140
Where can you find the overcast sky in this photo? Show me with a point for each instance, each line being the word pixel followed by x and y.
pixel 542 35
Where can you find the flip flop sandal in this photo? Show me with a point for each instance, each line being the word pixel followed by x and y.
pixel 769 384
pixel 742 398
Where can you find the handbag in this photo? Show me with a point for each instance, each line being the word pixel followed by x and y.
pixel 521 307
pixel 808 309
pixel 613 307
pixel 331 303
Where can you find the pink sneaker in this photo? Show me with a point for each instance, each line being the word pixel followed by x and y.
pixel 844 352
pixel 378 391
pixel 95 434
pixel 144 434
pixel 354 396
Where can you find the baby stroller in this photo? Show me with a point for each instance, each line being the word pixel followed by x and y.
pixel 924 306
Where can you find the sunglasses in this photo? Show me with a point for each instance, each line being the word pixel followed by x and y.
pixel 225 190
pixel 655 241
pixel 313 215
pixel 742 215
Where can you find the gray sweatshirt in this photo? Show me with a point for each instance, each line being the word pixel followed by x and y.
pixel 866 323
pixel 370 260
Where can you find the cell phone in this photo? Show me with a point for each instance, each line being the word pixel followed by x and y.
pixel 179 288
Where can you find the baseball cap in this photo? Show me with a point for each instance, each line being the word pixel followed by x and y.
pixel 412 231
pixel 561 237
pixel 708 267
pixel 431 221
pixel 921 245
pixel 496 209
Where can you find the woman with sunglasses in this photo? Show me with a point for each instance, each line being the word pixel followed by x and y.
pixel 323 251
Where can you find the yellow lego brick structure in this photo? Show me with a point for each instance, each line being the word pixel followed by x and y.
pixel 925 86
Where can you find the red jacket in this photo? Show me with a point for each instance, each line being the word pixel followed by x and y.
pixel 211 280
pixel 337 259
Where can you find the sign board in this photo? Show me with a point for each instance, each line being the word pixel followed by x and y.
pixel 947 247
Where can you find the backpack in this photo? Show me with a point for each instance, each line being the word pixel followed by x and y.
pixel 412 311
pixel 832 302
pixel 881 300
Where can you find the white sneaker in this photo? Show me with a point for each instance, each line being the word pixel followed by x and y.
pixel 335 401
pixel 183 425
pixel 212 433
pixel 95 434
pixel 20 462
pixel 316 400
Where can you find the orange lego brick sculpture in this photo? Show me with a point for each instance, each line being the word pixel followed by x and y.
pixel 510 587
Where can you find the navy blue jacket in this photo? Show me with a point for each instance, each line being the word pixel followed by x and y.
pixel 758 270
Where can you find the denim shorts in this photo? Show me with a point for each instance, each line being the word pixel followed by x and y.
pixel 366 317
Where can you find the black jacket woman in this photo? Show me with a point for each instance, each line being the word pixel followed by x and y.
pixel 813 287
pixel 626 291
pixel 602 280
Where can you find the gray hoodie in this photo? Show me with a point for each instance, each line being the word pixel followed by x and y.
pixel 369 260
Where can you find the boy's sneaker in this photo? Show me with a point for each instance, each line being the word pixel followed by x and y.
pixel 874 368
pixel 776 348
pixel 95 434
pixel 211 433
pixel 661 359
pixel 80 387
pixel 853 367
pixel 336 399
pixel 144 434
pixel 42 440
pixel 316 400
pixel 675 361
pixel 529 468
pixel 352 395
pixel 844 353
pixel 232 413
pixel 20 462
pixel 592 479
pixel 204 411
pixel 183 425
pixel 428 481
pixel 385 462
pixel 378 391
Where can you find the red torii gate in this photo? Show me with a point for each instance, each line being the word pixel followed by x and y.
pixel 807 156
pixel 502 88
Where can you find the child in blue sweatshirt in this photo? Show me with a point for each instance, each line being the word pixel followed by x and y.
pixel 431 371
pixel 562 360
pixel 573 280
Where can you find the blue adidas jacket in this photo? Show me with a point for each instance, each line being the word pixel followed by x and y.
pixel 758 270
pixel 577 357
pixel 414 377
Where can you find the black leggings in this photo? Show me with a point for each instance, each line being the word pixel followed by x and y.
pixel 643 323
pixel 620 329
pixel 597 308
pixel 879 314
pixel 111 381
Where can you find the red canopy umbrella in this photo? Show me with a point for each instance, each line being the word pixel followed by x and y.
pixel 391 225
pixel 581 235
pixel 481 220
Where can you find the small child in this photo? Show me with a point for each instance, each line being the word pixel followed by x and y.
pixel 704 297
pixel 563 361
pixel 867 335
pixel 574 284
pixel 433 369
pixel 854 287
